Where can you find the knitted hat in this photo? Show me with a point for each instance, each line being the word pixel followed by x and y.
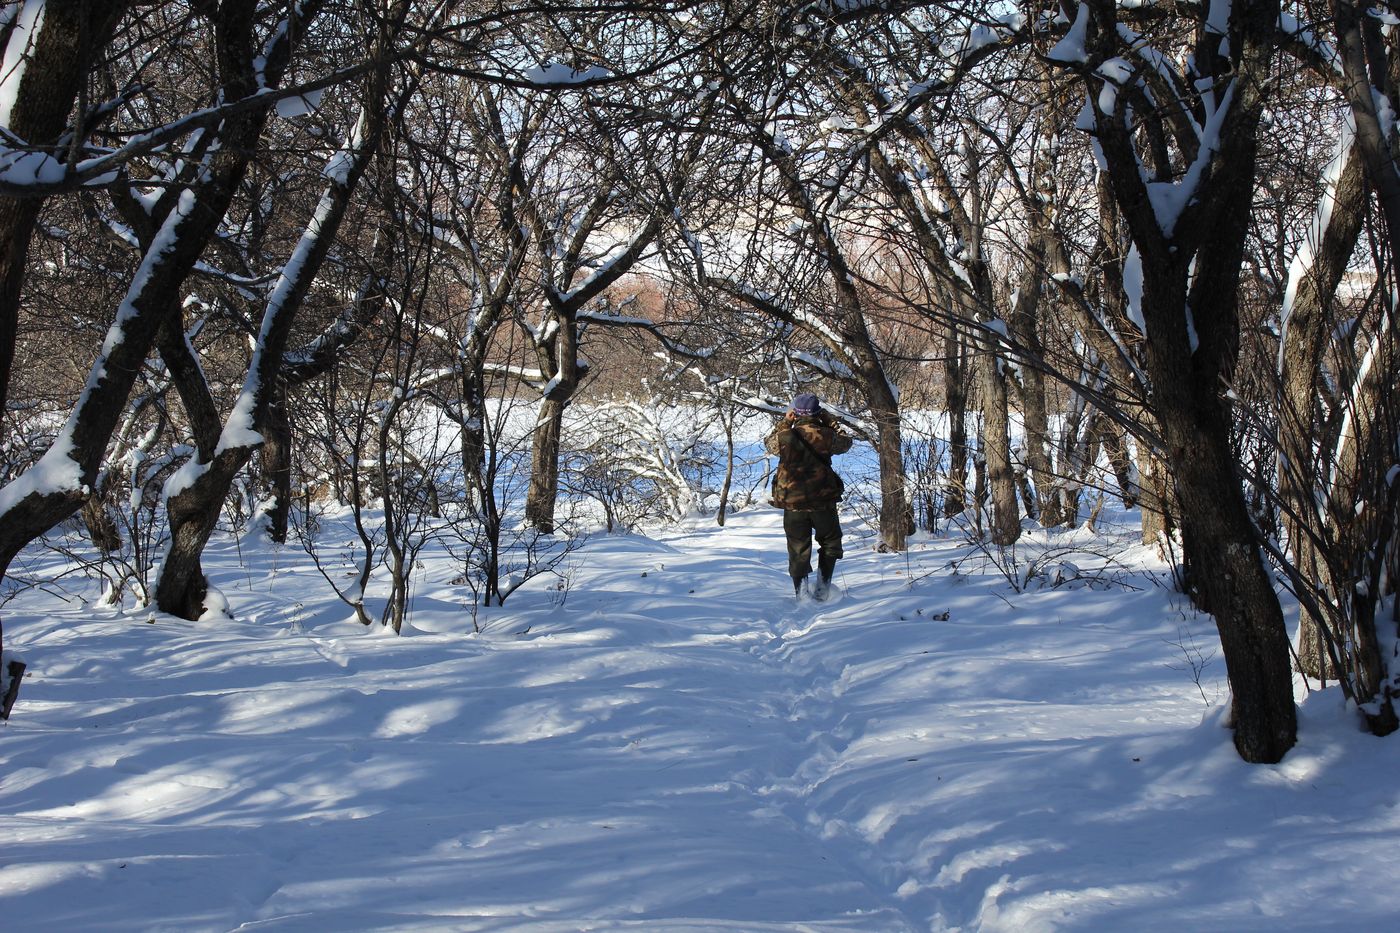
pixel 805 404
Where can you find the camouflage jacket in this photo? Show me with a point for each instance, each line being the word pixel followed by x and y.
pixel 805 477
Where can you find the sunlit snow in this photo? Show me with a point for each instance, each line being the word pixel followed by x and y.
pixel 669 742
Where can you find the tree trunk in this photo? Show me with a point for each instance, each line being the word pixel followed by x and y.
pixel 979 493
pixel 996 449
pixel 1360 499
pixel 102 531
pixel 188 377
pixel 1236 585
pixel 993 398
pixel 728 418
pixel 17 220
pixel 1308 321
pixel 395 488
pixel 473 445
pixel 955 401
pixel 895 512
pixel 1045 255
pixel 1156 500
pixel 855 343
pixel 1114 441
pixel 1025 327
pixel 560 358
pixel 1223 554
pixel 181 587
pixel 1190 281
pixel 276 457
pixel 479 470
pixel 543 493
pixel 60 57
pixel 13 674
pixel 95 416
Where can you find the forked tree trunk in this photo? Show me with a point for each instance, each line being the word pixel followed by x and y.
pixel 193 509
pixel 181 587
pixel 1224 557
pixel 1190 263
pixel 95 416
pixel 190 212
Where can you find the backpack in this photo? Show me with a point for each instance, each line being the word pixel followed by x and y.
pixel 811 463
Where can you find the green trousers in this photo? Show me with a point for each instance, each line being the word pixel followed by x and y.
pixel 800 527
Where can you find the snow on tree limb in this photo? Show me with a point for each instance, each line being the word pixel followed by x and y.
pixel 25 19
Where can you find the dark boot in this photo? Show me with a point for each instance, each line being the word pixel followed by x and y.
pixel 797 586
pixel 822 589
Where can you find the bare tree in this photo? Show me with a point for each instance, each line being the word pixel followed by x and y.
pixel 185 217
pixel 1185 196
pixel 196 494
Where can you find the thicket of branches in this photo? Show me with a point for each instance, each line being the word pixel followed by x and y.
pixel 255 255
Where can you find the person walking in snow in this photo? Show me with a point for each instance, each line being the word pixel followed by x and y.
pixel 807 489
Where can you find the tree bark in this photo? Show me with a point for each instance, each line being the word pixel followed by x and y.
pixel 854 343
pixel 1359 500
pixel 1237 588
pixel 101 529
pixel 543 494
pixel 995 448
pixel 1044 256
pixel 895 515
pixel 1227 568
pixel 36 507
pixel 474 444
pixel 1115 445
pixel 1025 327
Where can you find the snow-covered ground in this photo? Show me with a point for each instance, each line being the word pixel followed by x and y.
pixel 671 743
